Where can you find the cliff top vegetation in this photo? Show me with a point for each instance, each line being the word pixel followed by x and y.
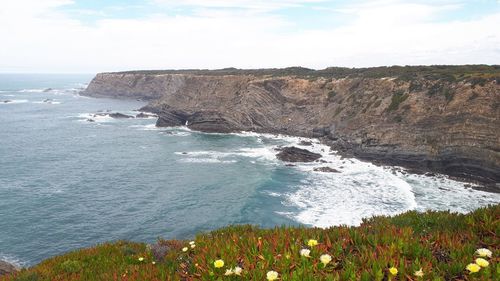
pixel 434 72
pixel 412 246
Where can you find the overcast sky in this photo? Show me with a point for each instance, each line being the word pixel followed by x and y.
pixel 90 36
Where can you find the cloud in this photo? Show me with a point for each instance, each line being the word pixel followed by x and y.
pixel 259 5
pixel 44 38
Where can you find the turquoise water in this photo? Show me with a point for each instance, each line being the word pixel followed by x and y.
pixel 67 183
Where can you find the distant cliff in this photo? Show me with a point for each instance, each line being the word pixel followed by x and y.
pixel 439 118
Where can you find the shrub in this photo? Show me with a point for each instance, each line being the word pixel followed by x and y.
pixel 397 98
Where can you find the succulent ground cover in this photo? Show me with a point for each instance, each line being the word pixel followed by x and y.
pixel 410 246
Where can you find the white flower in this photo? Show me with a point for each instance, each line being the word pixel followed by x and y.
pixel 191 243
pixel 272 275
pixel 237 270
pixel 325 259
pixel 140 259
pixel 305 253
pixel 419 273
pixel 192 246
pixel 185 249
pixel 229 272
pixel 483 252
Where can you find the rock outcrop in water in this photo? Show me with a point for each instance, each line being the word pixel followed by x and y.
pixel 443 118
pixel 295 154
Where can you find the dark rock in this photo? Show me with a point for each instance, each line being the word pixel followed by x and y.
pixel 118 115
pixel 171 118
pixel 90 120
pixel 290 165
pixel 320 132
pixel 295 154
pixel 305 143
pixel 47 90
pixel 47 100
pixel 7 101
pixel 7 268
pixel 326 170
pixel 144 115
pixel 210 122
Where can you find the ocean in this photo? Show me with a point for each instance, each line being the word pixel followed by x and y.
pixel 67 183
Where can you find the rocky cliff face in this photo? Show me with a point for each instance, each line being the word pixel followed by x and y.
pixel 429 124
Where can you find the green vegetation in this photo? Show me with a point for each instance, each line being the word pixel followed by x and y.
pixel 476 74
pixel 397 98
pixel 412 246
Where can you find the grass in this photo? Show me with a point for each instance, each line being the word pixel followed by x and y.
pixel 442 244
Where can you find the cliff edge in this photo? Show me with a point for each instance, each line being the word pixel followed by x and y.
pixel 437 118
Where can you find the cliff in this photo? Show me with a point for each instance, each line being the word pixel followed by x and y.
pixel 443 119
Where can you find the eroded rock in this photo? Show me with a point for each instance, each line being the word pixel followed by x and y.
pixel 295 154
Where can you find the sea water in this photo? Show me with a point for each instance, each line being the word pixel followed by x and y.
pixel 67 183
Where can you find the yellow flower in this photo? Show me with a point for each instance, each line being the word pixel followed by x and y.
pixel 419 273
pixel 218 263
pixel 237 270
pixel 312 242
pixel 229 272
pixel 305 253
pixel 482 262
pixel 272 275
pixel 185 249
pixel 325 259
pixel 393 270
pixel 473 268
pixel 483 252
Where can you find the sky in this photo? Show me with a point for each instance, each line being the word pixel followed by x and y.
pixel 88 36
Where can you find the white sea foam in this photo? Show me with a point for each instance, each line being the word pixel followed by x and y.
pixel 47 102
pixel 362 190
pixel 31 91
pixel 148 127
pixel 14 101
pixel 207 161
pixel 102 118
pixel 12 260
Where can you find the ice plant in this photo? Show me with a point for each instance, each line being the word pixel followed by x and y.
pixel 419 273
pixel 473 268
pixel 312 242
pixel 305 253
pixel 393 270
pixel 237 270
pixel 325 259
pixel 272 275
pixel 482 262
pixel 218 263
pixel 483 252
